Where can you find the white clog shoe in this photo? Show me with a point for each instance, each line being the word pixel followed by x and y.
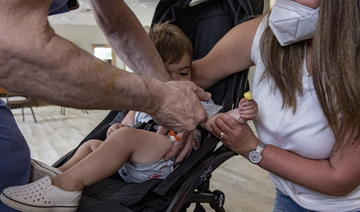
pixel 40 170
pixel 41 196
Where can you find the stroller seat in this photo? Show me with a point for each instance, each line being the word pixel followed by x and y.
pixel 189 183
pixel 170 194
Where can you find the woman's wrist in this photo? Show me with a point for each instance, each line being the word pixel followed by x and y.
pixel 251 145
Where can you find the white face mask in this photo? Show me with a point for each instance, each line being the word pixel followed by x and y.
pixel 292 22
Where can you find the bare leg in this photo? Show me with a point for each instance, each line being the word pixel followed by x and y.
pixel 83 151
pixel 125 144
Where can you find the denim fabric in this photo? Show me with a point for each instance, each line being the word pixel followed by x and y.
pixel 284 203
pixel 58 6
pixel 14 154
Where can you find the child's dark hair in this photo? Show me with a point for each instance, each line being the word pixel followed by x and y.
pixel 171 42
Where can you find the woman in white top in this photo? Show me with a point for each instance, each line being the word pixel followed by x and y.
pixel 307 86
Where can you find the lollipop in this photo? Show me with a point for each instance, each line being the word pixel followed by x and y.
pixel 248 96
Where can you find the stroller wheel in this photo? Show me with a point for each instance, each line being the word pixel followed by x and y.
pixel 220 210
pixel 218 203
pixel 199 208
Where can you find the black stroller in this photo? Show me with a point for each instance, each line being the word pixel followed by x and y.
pixel 204 23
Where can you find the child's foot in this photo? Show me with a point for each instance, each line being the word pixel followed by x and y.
pixel 40 196
pixel 40 170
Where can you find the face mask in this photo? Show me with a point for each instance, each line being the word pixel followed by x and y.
pixel 292 22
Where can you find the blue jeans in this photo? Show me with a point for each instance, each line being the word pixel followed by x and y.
pixel 14 154
pixel 284 203
pixel 58 6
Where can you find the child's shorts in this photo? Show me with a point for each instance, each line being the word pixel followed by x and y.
pixel 137 173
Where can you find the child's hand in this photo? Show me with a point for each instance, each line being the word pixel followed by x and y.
pixel 248 96
pixel 162 130
pixel 187 146
pixel 113 128
pixel 181 149
pixel 196 137
pixel 248 109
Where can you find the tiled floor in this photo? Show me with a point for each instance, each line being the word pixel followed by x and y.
pixel 247 187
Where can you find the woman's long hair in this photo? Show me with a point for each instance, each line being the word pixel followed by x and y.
pixel 336 67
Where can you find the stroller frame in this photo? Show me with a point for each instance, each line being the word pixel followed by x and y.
pixel 190 182
pixel 195 172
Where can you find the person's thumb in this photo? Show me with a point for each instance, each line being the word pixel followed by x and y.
pixel 203 95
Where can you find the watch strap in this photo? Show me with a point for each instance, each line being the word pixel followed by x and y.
pixel 260 147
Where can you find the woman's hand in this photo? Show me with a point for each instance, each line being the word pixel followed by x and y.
pixel 236 136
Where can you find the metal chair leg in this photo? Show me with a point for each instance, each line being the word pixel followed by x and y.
pixel 33 114
pixel 22 113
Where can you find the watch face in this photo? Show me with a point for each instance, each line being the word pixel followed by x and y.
pixel 255 157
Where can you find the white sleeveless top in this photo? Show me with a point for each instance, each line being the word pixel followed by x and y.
pixel 305 132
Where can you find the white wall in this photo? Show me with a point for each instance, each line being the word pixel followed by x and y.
pixel 86 35
pixel 83 36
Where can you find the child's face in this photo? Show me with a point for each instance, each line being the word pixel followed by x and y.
pixel 180 71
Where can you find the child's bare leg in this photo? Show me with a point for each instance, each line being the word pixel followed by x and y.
pixel 83 151
pixel 125 144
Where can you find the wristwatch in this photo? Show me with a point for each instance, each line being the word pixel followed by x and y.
pixel 255 155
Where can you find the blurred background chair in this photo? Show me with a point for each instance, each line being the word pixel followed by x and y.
pixel 62 110
pixel 2 92
pixel 14 100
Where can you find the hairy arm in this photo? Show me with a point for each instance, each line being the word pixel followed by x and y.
pixel 47 66
pixel 37 62
pixel 230 55
pixel 128 38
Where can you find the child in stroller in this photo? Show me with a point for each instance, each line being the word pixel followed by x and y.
pixel 137 153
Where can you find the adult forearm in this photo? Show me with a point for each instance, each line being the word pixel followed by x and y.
pixel 59 72
pixel 128 38
pixel 338 175
pixel 318 175
pixel 231 54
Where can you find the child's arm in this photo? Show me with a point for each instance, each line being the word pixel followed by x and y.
pixel 162 130
pixel 247 110
pixel 190 140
